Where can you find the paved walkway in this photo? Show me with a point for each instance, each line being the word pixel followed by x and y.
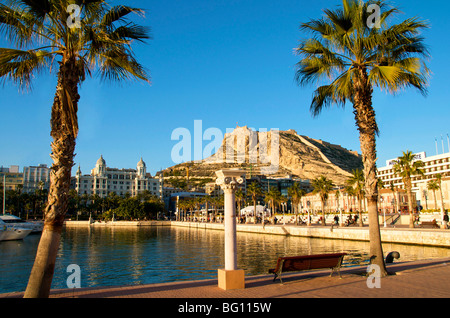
pixel 419 279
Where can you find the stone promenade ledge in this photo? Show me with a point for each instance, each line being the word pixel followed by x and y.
pixel 417 279
pixel 399 234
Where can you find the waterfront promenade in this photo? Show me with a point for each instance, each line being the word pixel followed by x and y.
pixel 418 279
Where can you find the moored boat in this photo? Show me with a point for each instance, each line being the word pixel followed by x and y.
pixel 12 233
pixel 12 220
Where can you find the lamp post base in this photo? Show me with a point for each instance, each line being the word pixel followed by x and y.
pixel 231 279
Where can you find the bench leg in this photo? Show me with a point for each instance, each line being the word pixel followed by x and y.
pixel 281 281
pixel 336 269
pixel 278 275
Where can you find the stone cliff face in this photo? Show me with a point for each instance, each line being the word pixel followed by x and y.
pixel 277 153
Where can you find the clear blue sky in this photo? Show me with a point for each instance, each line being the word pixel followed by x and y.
pixel 222 62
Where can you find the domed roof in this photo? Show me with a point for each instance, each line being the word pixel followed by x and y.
pixel 101 161
pixel 141 163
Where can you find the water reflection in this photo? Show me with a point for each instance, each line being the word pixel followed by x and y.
pixel 131 256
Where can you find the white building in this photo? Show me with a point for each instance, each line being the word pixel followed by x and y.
pixel 433 165
pixel 104 180
pixel 36 177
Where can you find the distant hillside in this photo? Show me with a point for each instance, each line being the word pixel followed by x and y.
pixel 299 156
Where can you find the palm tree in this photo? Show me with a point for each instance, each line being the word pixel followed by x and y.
pixel 296 194
pixel 406 166
pixel 393 189
pixel 206 200
pixel 182 206
pixel 220 202
pixel 239 194
pixel 350 191
pixel 45 37
pixel 357 182
pixel 439 182
pixel 323 187
pixel 433 186
pixel 272 197
pixel 254 190
pixel 347 57
pixel 197 202
pixel 337 194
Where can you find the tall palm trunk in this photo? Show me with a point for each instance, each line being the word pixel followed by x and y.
pixel 64 130
pixel 367 126
pixel 254 209
pixel 435 200
pixel 442 198
pixel 411 201
pixel 360 221
pixel 322 201
pixel 295 208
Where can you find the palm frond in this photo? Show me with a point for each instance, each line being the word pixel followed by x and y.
pixel 118 13
pixel 38 8
pixel 118 66
pixel 131 32
pixel 21 66
pixel 391 57
pixel 103 42
pixel 14 24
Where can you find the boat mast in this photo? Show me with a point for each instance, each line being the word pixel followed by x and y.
pixel 4 193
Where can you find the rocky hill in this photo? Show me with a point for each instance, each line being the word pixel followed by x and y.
pixel 296 155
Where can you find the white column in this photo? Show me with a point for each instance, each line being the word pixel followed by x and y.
pixel 230 229
pixel 230 277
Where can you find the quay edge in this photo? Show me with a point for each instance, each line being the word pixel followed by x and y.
pixel 418 236
pixel 424 237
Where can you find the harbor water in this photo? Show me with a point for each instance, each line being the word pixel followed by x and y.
pixel 111 256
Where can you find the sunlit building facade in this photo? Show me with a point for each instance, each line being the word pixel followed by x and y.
pixel 104 180
pixel 433 165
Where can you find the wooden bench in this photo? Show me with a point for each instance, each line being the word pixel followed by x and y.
pixel 308 262
pixel 430 223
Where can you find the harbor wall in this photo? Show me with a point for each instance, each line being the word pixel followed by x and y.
pixel 419 236
pixel 428 237
pixel 117 223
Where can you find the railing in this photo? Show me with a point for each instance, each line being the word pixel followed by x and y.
pixel 393 219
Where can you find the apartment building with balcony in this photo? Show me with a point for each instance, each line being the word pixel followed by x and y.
pixel 433 165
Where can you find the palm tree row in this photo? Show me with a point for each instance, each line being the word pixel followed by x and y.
pixel 273 198
pixel 24 204
pixel 405 167
pixel 143 206
pixel 435 185
pixel 193 206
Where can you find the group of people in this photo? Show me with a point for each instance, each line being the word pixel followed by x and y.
pixel 351 220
